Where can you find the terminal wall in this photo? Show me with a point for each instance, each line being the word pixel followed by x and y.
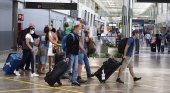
pixel 5 24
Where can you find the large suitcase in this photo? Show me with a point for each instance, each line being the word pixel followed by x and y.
pixel 55 75
pixel 12 62
pixel 59 57
pixel 153 47
pixel 107 69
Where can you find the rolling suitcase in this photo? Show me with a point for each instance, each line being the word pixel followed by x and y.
pixel 59 57
pixel 55 75
pixel 12 62
pixel 107 69
pixel 153 47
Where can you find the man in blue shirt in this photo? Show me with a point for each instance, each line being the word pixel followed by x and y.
pixel 128 53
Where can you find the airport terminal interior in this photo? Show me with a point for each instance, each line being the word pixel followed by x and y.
pixel 91 46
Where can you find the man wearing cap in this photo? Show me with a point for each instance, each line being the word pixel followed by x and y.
pixel 128 53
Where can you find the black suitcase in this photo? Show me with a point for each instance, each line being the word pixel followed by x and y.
pixel 59 57
pixel 55 75
pixel 162 48
pixel 108 68
pixel 153 47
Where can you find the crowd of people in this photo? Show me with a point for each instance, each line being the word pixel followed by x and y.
pixel 78 46
pixel 159 41
pixel 42 47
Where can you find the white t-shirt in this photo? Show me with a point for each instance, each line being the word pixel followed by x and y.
pixel 30 37
pixel 148 36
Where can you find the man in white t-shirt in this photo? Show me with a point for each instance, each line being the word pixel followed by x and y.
pixel 148 38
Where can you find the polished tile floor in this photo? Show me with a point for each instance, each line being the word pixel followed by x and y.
pixel 154 69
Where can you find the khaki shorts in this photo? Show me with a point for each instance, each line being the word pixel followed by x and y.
pixel 127 63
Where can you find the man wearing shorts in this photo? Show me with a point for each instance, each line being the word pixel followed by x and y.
pixel 128 53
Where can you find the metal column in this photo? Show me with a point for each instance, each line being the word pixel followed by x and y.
pixel 130 17
pixel 15 23
pixel 124 19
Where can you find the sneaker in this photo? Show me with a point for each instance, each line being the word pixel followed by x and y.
pixel 34 75
pixel 27 69
pixel 75 84
pixel 17 73
pixel 90 76
pixel 119 81
pixel 136 79
pixel 81 81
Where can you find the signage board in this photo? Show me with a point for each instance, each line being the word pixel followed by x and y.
pixel 44 5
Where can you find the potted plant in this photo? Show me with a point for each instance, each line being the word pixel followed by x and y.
pixel 118 56
pixel 111 48
pixel 96 60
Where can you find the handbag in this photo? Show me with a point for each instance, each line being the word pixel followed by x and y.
pixel 91 47
pixel 54 49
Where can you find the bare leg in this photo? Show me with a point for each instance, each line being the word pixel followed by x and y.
pixel 79 69
pixel 132 72
pixel 120 73
pixel 133 75
pixel 43 68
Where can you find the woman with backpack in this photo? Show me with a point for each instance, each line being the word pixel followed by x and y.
pixel 28 52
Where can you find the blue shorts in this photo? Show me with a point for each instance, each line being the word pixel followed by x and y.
pixel 81 58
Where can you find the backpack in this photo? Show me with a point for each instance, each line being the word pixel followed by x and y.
pixel 91 46
pixel 122 45
pixel 168 37
pixel 64 40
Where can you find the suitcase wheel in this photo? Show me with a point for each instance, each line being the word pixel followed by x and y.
pixel 102 81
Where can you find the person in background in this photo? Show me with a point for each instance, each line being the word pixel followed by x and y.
pixel 128 53
pixel 83 54
pixel 98 33
pixel 28 53
pixel 140 39
pixel 21 42
pixel 43 48
pixel 158 42
pixel 60 34
pixel 148 37
pixel 85 59
pixel 72 52
pixel 51 39
pixel 168 40
pixel 65 25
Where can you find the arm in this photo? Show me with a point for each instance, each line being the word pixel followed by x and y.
pixel 52 41
pixel 129 42
pixel 81 47
pixel 28 44
pixel 68 45
pixel 126 49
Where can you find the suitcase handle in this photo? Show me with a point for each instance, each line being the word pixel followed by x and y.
pixel 122 61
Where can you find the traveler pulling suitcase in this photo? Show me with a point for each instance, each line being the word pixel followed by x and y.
pixel 107 69
pixel 12 61
pixel 58 71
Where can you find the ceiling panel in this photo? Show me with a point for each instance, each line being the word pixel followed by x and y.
pixel 115 7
